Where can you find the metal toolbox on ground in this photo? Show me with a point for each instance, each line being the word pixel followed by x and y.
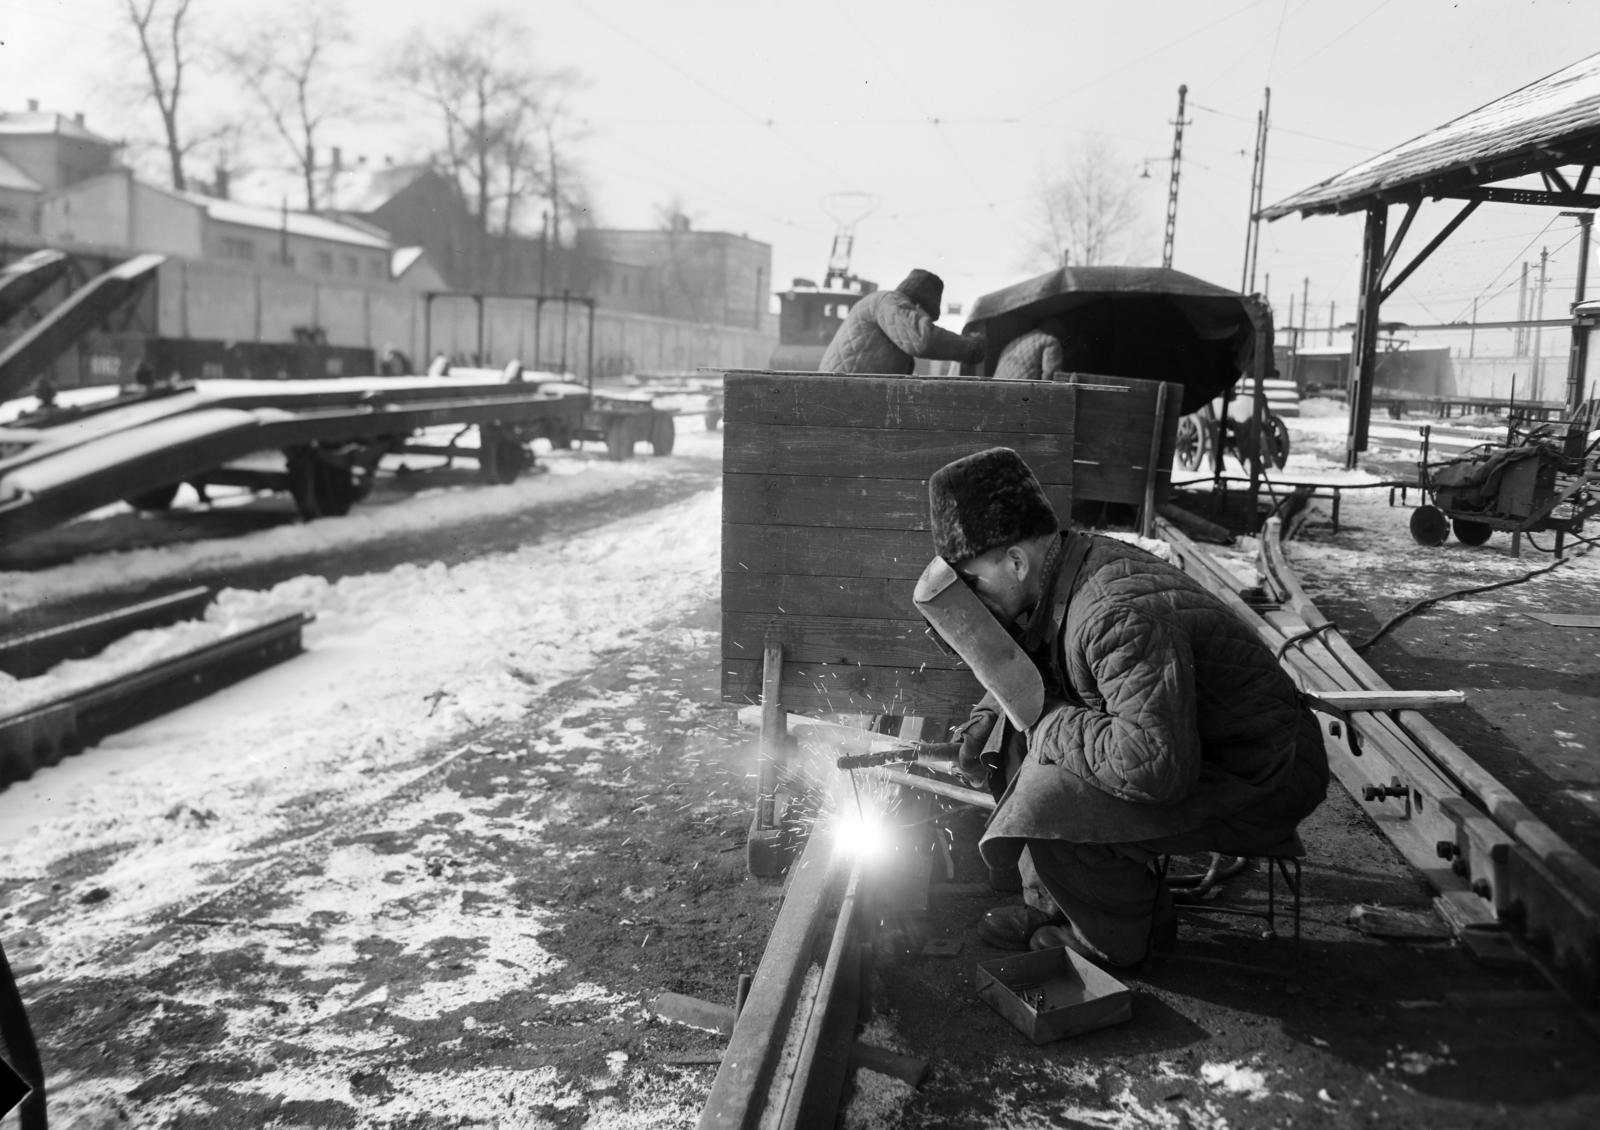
pixel 1053 993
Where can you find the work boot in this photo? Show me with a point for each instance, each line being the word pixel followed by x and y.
pixel 1010 927
pixel 1164 922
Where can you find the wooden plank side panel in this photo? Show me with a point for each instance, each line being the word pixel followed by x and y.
pixel 823 688
pixel 839 640
pixel 1113 443
pixel 807 551
pixel 879 453
pixel 885 598
pixel 897 404
pixel 838 502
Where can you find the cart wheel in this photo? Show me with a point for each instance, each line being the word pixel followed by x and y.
pixel 663 433
pixel 1191 444
pixel 503 460
pixel 1469 532
pixel 320 490
pixel 159 498
pixel 1429 526
pixel 619 440
pixel 1278 440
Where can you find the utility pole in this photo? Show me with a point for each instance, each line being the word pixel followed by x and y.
pixel 1252 240
pixel 1333 305
pixel 1294 334
pixel 1519 337
pixel 1578 352
pixel 1472 334
pixel 1172 185
pixel 1537 390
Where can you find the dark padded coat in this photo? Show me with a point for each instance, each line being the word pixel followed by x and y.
pixel 885 332
pixel 1171 721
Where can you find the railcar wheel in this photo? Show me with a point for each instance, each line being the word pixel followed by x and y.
pixel 1429 526
pixel 619 440
pixel 157 499
pixel 1469 532
pixel 320 490
pixel 663 434
pixel 502 458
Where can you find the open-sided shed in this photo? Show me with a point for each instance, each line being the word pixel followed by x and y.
pixel 1549 129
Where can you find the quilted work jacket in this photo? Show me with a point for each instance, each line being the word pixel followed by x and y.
pixel 886 331
pixel 1172 723
pixel 1031 357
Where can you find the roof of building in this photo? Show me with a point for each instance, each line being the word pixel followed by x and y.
pixel 367 190
pixel 277 219
pixel 1551 122
pixel 15 179
pixel 47 121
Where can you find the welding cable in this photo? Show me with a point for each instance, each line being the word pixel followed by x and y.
pixel 1428 602
pixel 1299 637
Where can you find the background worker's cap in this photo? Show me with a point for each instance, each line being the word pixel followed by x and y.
pixel 984 500
pixel 924 288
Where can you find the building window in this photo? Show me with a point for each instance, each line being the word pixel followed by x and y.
pixel 325 262
pixel 243 250
pixel 352 265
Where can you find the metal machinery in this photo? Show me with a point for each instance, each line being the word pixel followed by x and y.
pixel 1543 479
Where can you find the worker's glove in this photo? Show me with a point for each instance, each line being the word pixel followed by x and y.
pixel 973 734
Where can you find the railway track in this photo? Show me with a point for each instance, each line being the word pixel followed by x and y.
pixel 40 734
pixel 1506 883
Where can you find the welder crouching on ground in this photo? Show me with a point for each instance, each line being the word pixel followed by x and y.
pixel 888 330
pixel 1166 725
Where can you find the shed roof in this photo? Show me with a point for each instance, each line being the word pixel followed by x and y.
pixel 1554 121
pixel 277 219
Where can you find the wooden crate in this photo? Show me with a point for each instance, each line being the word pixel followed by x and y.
pixel 825 517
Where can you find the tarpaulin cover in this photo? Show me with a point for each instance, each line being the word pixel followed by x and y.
pixel 1149 323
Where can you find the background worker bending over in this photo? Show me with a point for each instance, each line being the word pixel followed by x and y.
pixel 889 329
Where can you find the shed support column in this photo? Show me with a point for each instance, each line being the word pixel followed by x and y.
pixel 1363 358
pixel 1577 358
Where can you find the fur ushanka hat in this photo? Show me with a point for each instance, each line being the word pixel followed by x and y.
pixel 984 500
pixel 924 288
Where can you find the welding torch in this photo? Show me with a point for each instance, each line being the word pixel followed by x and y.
pixel 920 751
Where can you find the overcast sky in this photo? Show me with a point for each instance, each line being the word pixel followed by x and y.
pixel 754 112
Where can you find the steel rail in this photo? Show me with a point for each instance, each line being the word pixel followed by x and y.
pixel 40 735
pixel 1493 863
pixel 26 656
pixel 749 1089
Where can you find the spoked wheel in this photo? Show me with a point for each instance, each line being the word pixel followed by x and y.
pixel 160 498
pixel 1277 445
pixel 1469 532
pixel 1191 443
pixel 1429 526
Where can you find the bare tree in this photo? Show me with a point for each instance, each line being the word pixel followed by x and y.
pixel 508 127
pixel 288 64
pixel 1087 212
pixel 164 46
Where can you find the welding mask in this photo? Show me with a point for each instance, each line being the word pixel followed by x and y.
pixel 971 631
